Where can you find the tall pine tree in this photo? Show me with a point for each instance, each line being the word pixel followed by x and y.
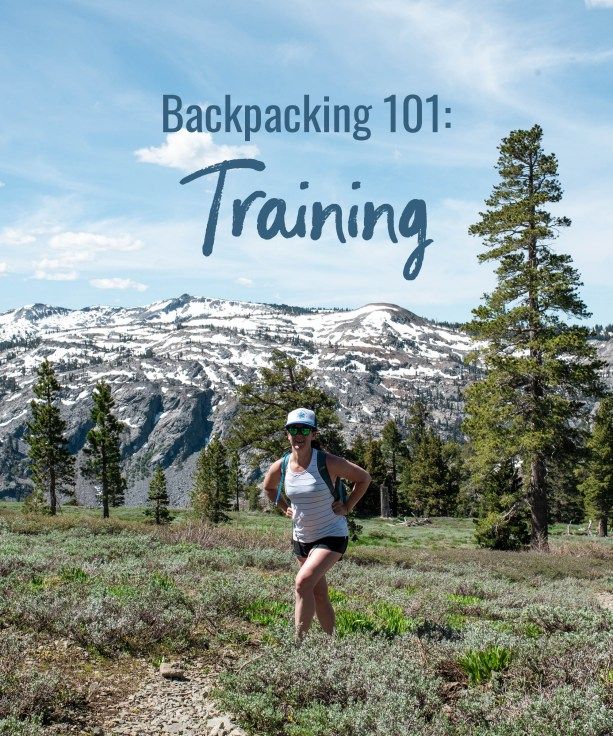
pixel 51 465
pixel 376 500
pixel 235 477
pixel 211 491
pixel 539 367
pixel 158 498
pixel 102 449
pixel 429 482
pixel 394 450
pixel 598 484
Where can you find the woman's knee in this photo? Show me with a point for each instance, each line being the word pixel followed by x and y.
pixel 305 584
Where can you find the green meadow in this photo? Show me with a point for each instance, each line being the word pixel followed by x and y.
pixel 434 636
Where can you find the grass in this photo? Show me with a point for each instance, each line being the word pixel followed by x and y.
pixel 434 636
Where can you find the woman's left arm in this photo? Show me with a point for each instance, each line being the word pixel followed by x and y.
pixel 338 466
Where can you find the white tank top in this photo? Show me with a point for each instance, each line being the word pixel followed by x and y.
pixel 311 502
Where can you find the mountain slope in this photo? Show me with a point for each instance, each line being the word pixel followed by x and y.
pixel 174 367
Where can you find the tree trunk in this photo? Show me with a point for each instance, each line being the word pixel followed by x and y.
pixel 52 492
pixel 602 526
pixel 538 490
pixel 394 487
pixel 538 506
pixel 385 501
pixel 105 487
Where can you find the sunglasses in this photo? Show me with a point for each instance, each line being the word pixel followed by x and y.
pixel 305 431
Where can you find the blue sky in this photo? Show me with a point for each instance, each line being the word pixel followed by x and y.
pixel 91 210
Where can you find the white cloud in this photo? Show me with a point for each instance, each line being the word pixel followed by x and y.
pixel 66 261
pixel 244 281
pixel 462 49
pixel 118 283
pixel 2 184
pixel 95 242
pixel 73 249
pixel 190 151
pixel 3 268
pixel 598 4
pixel 43 275
pixel 13 236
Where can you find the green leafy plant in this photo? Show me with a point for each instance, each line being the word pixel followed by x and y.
pixel 391 620
pixel 266 612
pixel 162 582
pixel 465 600
pixel 336 596
pixel 73 575
pixel 456 620
pixel 353 622
pixel 480 664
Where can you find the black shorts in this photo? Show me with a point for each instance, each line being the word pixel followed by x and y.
pixel 334 544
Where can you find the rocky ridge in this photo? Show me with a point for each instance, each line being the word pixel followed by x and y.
pixel 174 367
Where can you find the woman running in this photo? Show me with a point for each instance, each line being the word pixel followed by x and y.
pixel 320 532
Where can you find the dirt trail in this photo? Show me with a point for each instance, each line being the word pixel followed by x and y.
pixel 160 706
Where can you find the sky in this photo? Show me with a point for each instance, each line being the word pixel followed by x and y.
pixel 92 211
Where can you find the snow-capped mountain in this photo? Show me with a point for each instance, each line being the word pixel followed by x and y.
pixel 174 367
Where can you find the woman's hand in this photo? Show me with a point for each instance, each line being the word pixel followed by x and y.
pixel 289 511
pixel 340 508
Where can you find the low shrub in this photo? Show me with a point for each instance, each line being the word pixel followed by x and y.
pixel 109 619
pixel 337 687
pixel 14 727
pixel 497 531
pixel 26 691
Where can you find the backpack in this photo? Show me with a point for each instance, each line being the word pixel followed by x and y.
pixel 337 489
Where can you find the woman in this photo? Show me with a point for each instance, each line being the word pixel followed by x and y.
pixel 320 532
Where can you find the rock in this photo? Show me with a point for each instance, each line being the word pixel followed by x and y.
pixel 171 671
pixel 220 726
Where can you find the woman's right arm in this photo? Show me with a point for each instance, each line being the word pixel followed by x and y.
pixel 271 483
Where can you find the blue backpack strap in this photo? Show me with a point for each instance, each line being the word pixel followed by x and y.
pixel 281 485
pixel 337 489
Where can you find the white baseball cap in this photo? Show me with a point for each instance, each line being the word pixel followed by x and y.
pixel 302 416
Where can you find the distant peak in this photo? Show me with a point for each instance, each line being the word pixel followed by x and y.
pixel 177 303
pixel 400 313
pixel 34 312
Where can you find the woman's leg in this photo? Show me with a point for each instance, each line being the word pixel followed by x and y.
pixel 323 608
pixel 311 572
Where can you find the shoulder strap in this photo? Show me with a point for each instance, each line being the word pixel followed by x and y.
pixel 281 485
pixel 337 489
